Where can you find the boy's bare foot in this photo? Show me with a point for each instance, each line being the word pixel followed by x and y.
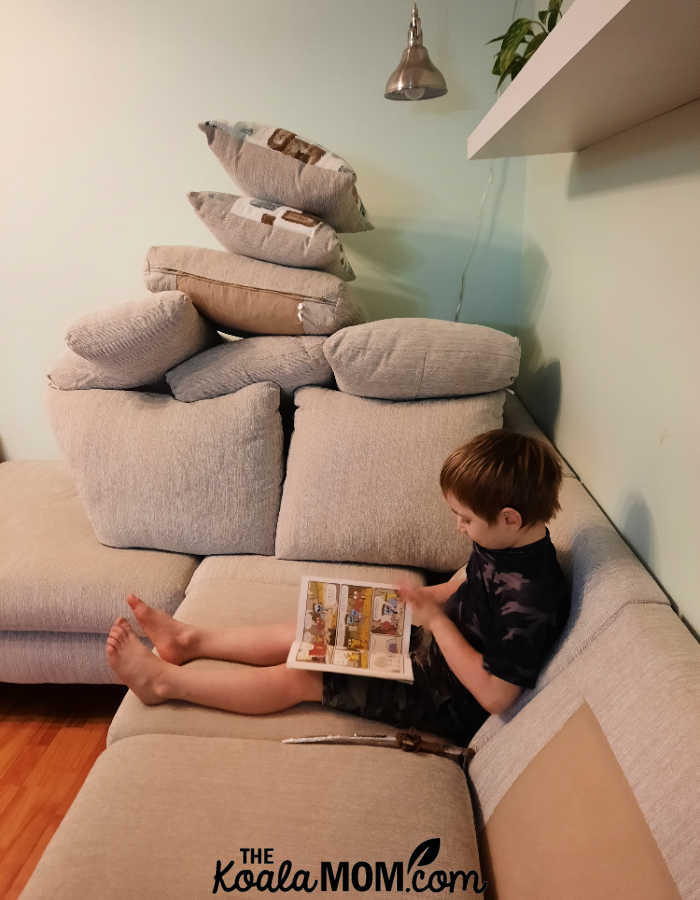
pixel 135 665
pixel 172 639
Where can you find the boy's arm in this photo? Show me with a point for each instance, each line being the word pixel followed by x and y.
pixel 492 692
pixel 443 592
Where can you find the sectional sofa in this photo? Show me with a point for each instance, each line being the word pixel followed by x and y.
pixel 586 787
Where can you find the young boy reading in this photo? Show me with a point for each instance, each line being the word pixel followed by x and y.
pixel 476 642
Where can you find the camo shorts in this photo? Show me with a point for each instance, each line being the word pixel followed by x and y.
pixel 430 703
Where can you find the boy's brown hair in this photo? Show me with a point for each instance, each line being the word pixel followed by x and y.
pixel 504 468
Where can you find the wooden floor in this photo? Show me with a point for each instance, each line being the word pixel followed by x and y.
pixel 50 735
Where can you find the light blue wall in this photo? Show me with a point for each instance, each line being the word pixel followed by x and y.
pixel 610 370
pixel 101 103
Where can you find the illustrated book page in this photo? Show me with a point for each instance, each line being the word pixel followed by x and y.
pixel 353 627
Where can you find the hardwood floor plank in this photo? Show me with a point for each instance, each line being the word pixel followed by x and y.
pixel 50 737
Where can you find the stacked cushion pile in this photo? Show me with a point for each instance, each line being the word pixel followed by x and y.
pixel 174 433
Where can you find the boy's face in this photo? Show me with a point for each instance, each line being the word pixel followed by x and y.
pixel 493 537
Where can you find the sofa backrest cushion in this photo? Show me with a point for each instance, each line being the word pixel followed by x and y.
pixel 276 164
pixel 198 478
pixel 290 362
pixel 246 295
pixel 595 782
pixel 362 480
pixel 411 358
pixel 265 229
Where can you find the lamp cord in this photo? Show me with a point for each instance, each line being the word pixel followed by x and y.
pixel 480 220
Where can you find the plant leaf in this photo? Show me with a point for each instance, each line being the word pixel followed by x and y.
pixel 542 15
pixel 510 46
pixel 493 40
pixel 533 45
pixel 554 13
pixel 517 66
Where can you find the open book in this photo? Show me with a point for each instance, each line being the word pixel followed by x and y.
pixel 353 627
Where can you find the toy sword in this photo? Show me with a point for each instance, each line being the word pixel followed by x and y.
pixel 409 740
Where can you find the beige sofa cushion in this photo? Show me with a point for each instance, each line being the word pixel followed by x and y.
pixel 363 478
pixel 276 164
pixel 54 657
pixel 408 359
pixel 198 478
pixel 241 591
pixel 132 344
pixel 603 755
pixel 76 583
pixel 242 294
pixel 267 230
pixel 160 810
pixel 577 822
pixel 289 362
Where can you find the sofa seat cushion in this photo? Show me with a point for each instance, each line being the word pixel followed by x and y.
pixel 55 576
pixel 249 590
pixel 596 773
pixel 54 657
pixel 157 812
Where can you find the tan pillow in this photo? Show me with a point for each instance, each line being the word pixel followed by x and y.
pixel 276 164
pixel 198 478
pixel 289 362
pixel 362 480
pixel 407 359
pixel 265 230
pixel 256 297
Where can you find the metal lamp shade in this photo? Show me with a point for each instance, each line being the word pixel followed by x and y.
pixel 415 77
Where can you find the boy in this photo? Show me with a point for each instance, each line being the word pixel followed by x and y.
pixel 492 624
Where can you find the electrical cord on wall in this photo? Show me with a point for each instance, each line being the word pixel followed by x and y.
pixel 480 220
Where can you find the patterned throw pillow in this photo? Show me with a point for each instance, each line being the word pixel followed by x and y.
pixel 265 230
pixel 247 295
pixel 279 165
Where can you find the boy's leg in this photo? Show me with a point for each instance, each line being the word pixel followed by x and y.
pixel 252 690
pixel 177 642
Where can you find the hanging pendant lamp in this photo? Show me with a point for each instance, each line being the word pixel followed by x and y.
pixel 415 77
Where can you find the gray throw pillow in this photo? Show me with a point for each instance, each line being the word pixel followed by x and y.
pixel 198 478
pixel 264 229
pixel 73 373
pixel 411 358
pixel 289 362
pixel 132 344
pixel 362 481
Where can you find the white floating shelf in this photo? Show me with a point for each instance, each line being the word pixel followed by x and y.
pixel 607 66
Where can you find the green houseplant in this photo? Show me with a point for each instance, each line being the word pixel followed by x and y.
pixel 509 60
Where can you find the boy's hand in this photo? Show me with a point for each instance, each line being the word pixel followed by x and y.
pixel 425 607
